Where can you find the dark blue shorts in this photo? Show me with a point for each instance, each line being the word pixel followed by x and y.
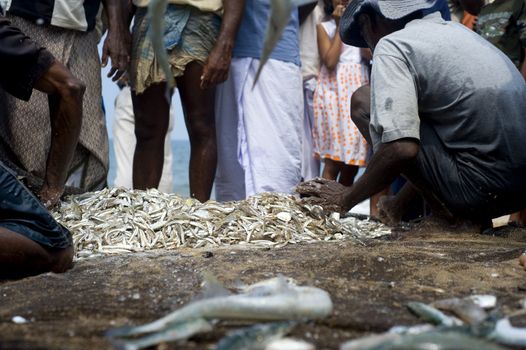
pixel 22 212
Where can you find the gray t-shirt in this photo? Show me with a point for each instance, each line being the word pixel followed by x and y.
pixel 470 93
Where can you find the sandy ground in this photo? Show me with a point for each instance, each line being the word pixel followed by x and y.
pixel 370 287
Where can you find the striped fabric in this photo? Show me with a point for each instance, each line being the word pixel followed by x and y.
pixel 69 14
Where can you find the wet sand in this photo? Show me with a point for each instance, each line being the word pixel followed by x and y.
pixel 370 286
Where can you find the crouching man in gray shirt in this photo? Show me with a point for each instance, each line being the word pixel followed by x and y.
pixel 445 108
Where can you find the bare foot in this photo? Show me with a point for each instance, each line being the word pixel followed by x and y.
pixel 389 211
pixel 522 260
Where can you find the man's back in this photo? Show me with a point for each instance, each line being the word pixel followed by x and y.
pixel 467 90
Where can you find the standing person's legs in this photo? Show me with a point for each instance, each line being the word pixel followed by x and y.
pixel 198 106
pixel 123 138
pixel 331 169
pixel 152 113
pixel 272 122
pixel 310 165
pixel 230 177
pixel 347 174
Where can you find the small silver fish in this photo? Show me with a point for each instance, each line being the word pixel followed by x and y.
pixel 287 302
pixel 430 314
pixel 465 309
pixel 256 337
pixel 177 331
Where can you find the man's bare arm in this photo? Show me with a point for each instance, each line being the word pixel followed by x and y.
pixel 65 105
pixel 388 162
pixel 217 65
pixel 117 45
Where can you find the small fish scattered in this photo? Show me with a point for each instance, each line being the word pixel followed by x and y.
pixel 432 315
pixel 484 301
pixel 505 333
pixel 465 309
pixel 256 337
pixel 276 299
pixel 176 331
pixel 117 220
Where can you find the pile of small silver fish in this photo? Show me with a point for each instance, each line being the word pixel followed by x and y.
pixel 117 220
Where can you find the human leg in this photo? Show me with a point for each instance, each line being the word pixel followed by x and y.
pixel 152 111
pixel 198 106
pixel 310 164
pixel 230 176
pixel 393 208
pixel 22 257
pixel 347 174
pixel 271 143
pixel 519 218
pixel 31 241
pixel 331 169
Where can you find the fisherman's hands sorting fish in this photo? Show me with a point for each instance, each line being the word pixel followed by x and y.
pixel 325 193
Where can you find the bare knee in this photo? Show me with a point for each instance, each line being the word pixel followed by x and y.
pixel 61 260
pixel 361 104
pixel 201 127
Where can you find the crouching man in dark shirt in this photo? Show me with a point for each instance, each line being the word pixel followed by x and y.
pixel 31 241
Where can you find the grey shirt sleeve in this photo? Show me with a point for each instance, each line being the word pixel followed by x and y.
pixel 394 101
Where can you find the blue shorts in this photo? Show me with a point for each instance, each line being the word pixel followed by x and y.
pixel 22 212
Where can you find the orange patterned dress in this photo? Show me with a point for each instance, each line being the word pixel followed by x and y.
pixel 335 135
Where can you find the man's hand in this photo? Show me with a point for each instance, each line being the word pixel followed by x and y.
pixel 117 46
pixel 50 197
pixel 217 66
pixel 325 193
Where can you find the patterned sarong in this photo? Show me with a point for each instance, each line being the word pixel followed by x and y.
pixel 25 130
pixel 190 36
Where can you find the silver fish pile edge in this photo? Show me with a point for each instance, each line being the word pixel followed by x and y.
pixel 117 220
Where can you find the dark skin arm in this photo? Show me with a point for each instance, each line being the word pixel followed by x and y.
pixel 65 105
pixel 388 162
pixel 330 49
pixel 117 45
pixel 217 65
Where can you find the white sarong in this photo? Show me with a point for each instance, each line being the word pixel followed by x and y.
pixel 124 144
pixel 259 130
pixel 310 168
